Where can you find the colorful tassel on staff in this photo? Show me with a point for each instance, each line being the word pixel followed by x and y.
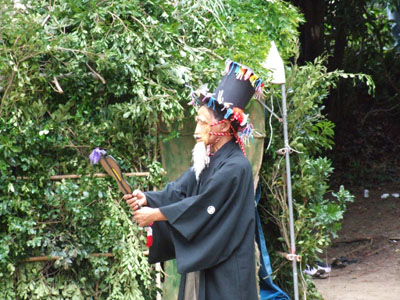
pixel 96 154
pixel 149 238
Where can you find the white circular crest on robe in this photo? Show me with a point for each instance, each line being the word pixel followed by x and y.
pixel 211 210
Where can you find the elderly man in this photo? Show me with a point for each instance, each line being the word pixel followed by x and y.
pixel 206 218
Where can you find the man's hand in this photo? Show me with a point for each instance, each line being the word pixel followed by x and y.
pixel 136 200
pixel 146 215
pixel 143 215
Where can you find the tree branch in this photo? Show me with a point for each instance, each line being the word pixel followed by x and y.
pixel 379 40
pixel 96 74
pixel 8 87
pixel 58 86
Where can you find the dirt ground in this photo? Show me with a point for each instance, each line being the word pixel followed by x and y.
pixel 369 244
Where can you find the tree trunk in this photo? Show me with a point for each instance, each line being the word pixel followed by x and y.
pixel 312 32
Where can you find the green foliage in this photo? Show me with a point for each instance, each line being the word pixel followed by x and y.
pixel 253 24
pixel 72 224
pixel 76 75
pixel 318 211
pixel 82 74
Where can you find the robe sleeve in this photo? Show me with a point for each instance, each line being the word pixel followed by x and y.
pixel 173 192
pixel 208 227
pixel 163 246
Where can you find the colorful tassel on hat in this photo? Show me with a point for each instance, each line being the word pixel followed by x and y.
pixel 220 98
pixel 241 73
pixel 252 79
pixel 228 63
pixel 229 111
pixel 246 134
pixel 259 91
pixel 248 74
pixel 211 102
pixel 232 66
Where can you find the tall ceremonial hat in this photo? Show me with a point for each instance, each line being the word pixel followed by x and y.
pixel 238 85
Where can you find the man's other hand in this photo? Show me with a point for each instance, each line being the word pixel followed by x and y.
pixel 146 215
pixel 136 200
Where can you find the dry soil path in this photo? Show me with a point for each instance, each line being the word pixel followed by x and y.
pixel 370 239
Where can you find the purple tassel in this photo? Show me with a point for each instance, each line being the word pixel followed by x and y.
pixel 96 154
pixel 205 98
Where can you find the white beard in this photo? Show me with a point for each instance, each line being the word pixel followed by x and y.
pixel 200 158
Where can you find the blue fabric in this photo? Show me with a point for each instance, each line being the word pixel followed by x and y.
pixel 268 290
pixel 228 113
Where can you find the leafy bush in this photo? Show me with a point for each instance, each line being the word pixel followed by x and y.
pixel 80 74
pixel 77 75
pixel 317 214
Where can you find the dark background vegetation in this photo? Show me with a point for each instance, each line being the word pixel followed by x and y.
pixel 358 37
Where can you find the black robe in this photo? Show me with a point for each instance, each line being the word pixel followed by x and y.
pixel 210 227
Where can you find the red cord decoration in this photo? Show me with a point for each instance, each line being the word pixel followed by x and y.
pixel 217 123
pixel 221 133
pixel 234 133
pixel 238 140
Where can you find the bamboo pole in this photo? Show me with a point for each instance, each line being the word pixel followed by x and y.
pixel 289 194
pixel 98 175
pixel 56 257
pixel 50 258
